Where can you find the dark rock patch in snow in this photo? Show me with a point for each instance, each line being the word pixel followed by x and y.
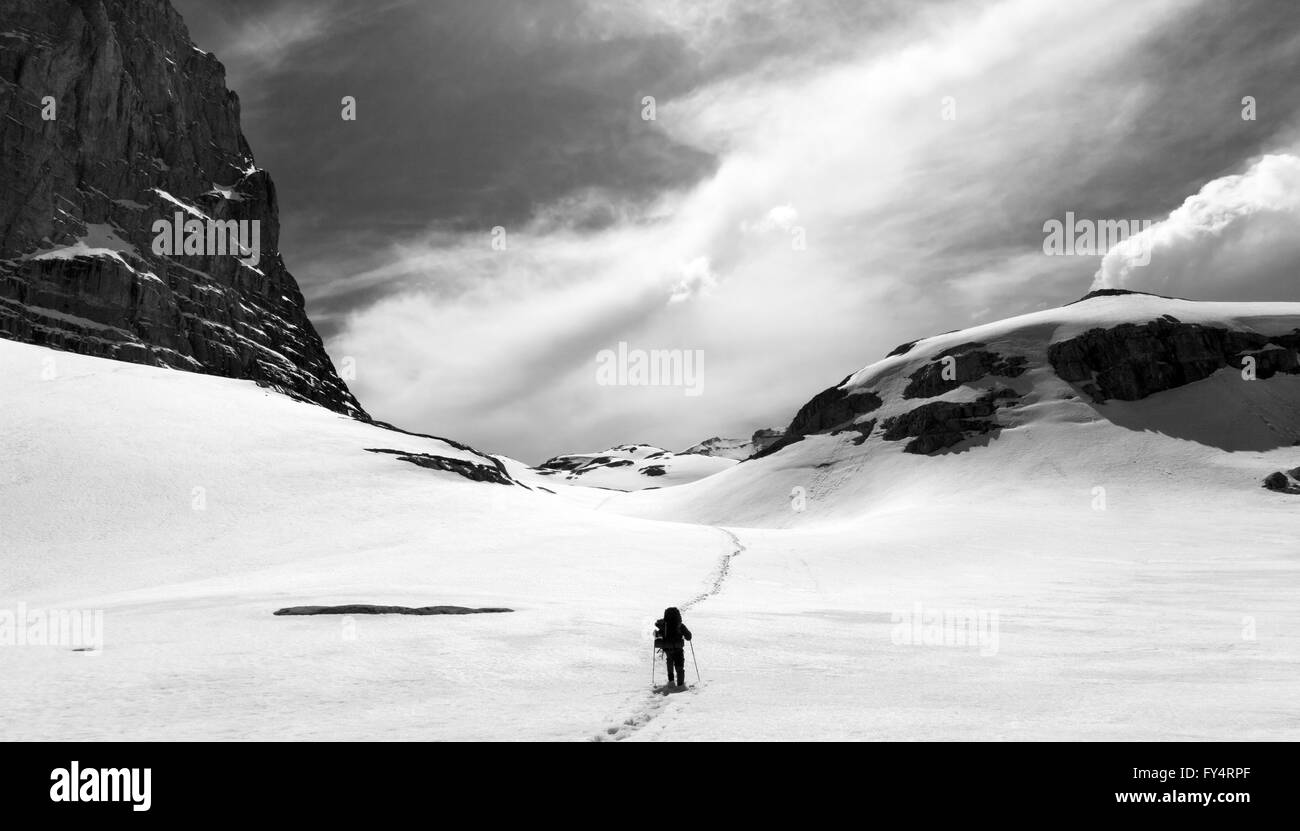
pixel 367 609
pixel 1278 481
pixel 828 409
pixel 942 424
pixel 1132 361
pixel 494 472
pixel 863 430
pixel 831 408
pixel 764 438
pixel 562 463
pixel 969 363
pixel 902 349
pixel 960 348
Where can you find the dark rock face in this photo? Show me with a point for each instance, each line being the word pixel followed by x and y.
pixel 863 430
pixel 143 121
pixel 492 471
pixel 653 470
pixel 941 424
pixel 1131 361
pixel 827 410
pixel 1277 481
pixel 902 349
pixel 830 408
pixel 562 463
pixel 765 438
pixel 969 363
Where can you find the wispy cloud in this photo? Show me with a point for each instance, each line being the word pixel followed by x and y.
pixel 256 39
pixel 820 182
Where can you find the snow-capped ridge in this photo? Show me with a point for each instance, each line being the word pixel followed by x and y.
pixel 1083 388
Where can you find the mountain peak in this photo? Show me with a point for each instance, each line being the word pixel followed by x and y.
pixel 90 171
pixel 1120 293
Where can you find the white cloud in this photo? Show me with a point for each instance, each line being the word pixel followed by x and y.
pixel 697 278
pixel 780 218
pixel 902 210
pixel 1238 237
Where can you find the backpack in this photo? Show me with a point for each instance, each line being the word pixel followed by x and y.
pixel 670 630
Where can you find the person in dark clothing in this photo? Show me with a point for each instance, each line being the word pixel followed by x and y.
pixel 671 636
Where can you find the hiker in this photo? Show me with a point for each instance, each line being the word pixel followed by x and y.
pixel 669 635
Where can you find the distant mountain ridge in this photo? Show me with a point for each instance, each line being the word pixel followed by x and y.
pixel 630 467
pixel 738 449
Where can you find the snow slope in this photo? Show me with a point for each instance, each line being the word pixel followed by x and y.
pixel 1144 583
pixel 189 508
pixel 1161 606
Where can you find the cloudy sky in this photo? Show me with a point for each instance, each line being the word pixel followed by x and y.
pixel 820 181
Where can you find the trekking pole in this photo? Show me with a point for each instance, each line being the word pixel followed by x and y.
pixel 693 661
pixel 653 661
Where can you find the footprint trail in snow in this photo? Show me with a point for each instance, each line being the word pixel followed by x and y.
pixel 657 702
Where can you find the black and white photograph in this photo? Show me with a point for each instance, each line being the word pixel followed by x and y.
pixel 651 371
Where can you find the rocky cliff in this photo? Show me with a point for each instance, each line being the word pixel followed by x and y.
pixel 111 119
pixel 1132 361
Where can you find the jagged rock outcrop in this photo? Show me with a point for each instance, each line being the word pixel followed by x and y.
pixel 970 362
pixel 765 437
pixel 1131 361
pixel 942 424
pixel 902 349
pixel 142 128
pixel 832 407
pixel 1277 481
pixel 490 470
pixel 863 430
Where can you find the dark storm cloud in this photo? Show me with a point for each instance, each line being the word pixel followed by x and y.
pixel 772 114
pixel 469 115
